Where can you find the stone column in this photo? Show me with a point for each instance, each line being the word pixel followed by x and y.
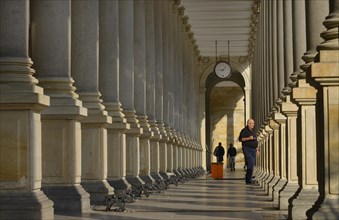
pixel 299 37
pixel 202 125
pixel 180 153
pixel 260 158
pixel 263 135
pixel 159 47
pixel 288 41
pixel 21 102
pixel 266 156
pixel 290 110
pixel 163 119
pixel 273 130
pixel 305 96
pixel 140 89
pixel 325 72
pixel 176 18
pixel 282 81
pixel 274 74
pixel 270 59
pixel 61 122
pixel 172 14
pixel 150 86
pixel 281 120
pixel 269 147
pixel 126 90
pixel 109 87
pixel 85 70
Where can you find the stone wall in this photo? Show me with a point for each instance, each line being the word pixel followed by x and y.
pixel 227 118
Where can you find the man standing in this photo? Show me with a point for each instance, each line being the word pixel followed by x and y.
pixel 219 152
pixel 231 153
pixel 249 145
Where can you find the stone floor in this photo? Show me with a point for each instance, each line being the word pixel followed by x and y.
pixel 202 198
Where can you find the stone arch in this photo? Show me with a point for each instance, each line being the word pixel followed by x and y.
pixel 206 68
pixel 243 69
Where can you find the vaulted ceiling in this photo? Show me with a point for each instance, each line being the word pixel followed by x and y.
pixel 221 21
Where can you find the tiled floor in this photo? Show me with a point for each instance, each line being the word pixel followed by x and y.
pixel 201 198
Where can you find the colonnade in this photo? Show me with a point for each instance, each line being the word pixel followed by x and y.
pixel 296 79
pixel 95 96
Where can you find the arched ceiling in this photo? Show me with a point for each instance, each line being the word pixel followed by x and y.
pixel 220 20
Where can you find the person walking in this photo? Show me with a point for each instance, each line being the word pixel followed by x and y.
pixel 219 152
pixel 231 153
pixel 249 145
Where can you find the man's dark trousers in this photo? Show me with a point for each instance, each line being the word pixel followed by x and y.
pixel 250 156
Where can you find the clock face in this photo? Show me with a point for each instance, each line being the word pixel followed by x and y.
pixel 222 69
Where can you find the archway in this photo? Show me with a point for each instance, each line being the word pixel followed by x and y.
pixel 239 82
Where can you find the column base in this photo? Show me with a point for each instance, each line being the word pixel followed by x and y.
pixel 135 180
pixel 286 194
pixel 329 209
pixel 262 179
pixel 156 176
pixel 68 198
pixel 302 203
pixel 276 189
pixel 97 190
pixel 119 184
pixel 266 183
pixel 147 179
pixel 164 175
pixel 260 175
pixel 25 205
pixel 270 186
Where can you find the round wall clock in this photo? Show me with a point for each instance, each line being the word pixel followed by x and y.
pixel 222 69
